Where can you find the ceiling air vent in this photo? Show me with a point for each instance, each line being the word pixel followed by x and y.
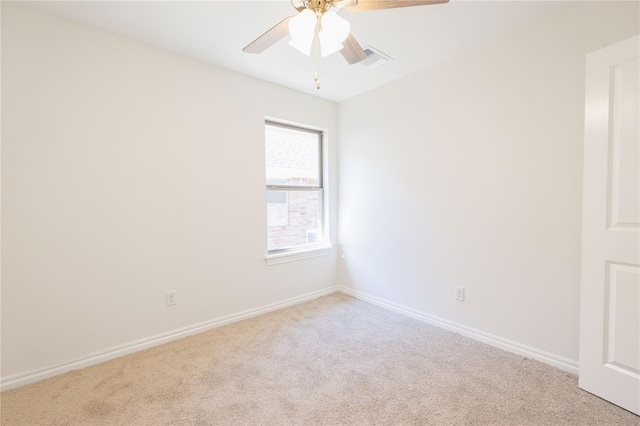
pixel 375 58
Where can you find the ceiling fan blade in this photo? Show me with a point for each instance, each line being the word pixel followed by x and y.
pixel 279 31
pixel 365 5
pixel 352 51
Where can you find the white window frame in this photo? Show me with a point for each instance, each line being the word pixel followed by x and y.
pixel 275 257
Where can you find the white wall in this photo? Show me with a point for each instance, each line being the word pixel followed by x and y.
pixel 470 173
pixel 128 171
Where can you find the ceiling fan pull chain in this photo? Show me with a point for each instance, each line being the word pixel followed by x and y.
pixel 317 54
pixel 316 59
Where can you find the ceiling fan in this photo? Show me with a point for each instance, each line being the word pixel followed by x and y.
pixel 318 27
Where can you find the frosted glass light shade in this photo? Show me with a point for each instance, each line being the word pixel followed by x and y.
pixel 334 27
pixel 334 31
pixel 301 28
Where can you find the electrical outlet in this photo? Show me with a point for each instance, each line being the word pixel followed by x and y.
pixel 459 293
pixel 171 298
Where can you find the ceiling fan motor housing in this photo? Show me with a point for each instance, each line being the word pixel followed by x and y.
pixel 318 6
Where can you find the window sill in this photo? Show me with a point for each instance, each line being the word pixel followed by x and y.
pixel 295 255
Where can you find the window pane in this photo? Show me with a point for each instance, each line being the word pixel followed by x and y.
pixel 292 157
pixel 277 208
pixel 294 218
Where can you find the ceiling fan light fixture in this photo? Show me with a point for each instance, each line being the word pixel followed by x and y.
pixel 333 31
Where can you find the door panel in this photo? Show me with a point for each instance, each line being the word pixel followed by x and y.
pixel 610 291
pixel 624 183
pixel 622 326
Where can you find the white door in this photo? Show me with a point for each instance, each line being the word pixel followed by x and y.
pixel 610 292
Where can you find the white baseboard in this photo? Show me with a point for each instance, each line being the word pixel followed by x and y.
pixel 507 345
pixel 22 379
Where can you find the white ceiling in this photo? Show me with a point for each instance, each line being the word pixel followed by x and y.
pixel 216 31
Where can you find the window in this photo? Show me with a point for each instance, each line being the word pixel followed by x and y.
pixel 295 193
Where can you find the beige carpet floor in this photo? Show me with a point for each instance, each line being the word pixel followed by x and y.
pixel 334 360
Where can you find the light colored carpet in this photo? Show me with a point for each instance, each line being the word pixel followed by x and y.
pixel 335 360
